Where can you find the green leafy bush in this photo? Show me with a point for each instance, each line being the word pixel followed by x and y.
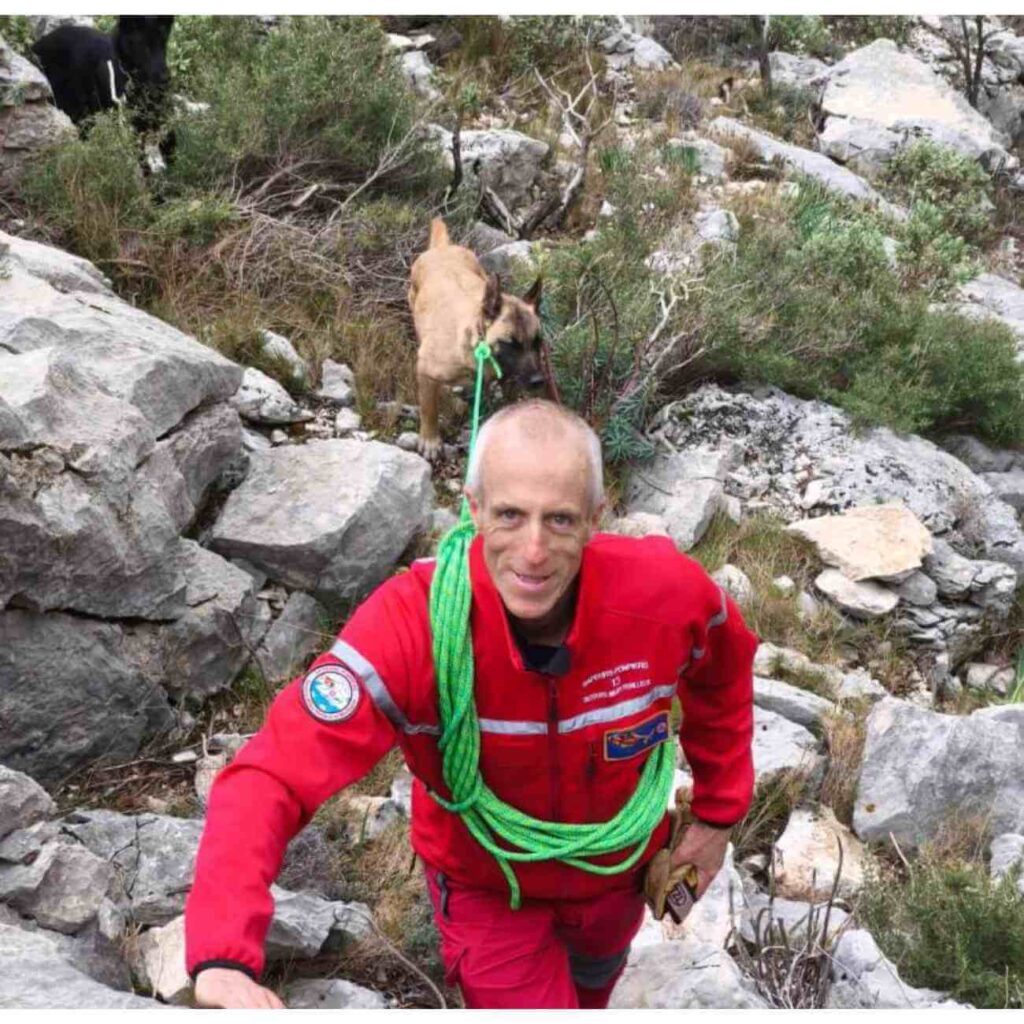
pixel 17 33
pixel 813 304
pixel 801 33
pixel 950 927
pixel 322 94
pixel 92 189
pixel 953 183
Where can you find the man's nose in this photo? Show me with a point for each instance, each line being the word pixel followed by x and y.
pixel 536 550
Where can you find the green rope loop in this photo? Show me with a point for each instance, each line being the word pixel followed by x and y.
pixel 502 830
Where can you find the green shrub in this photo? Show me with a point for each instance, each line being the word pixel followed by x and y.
pixel 812 304
pixel 855 30
pixel 931 255
pixel 92 189
pixel 17 33
pixel 322 95
pixel 950 927
pixel 197 219
pixel 950 181
pixel 801 33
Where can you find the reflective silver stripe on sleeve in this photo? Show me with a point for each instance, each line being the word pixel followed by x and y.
pixel 716 620
pixel 378 691
pixel 508 727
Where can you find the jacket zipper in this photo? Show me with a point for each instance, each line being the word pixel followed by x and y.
pixel 553 748
pixel 591 775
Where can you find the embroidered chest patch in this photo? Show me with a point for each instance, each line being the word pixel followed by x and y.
pixel 620 744
pixel 330 693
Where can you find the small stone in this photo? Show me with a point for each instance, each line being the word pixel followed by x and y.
pixel 735 582
pixel 346 421
pixel 185 757
pixel 337 383
pixel 407 440
pixel 278 437
pixel 863 600
pixel 784 585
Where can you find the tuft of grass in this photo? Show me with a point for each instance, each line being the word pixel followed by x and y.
pixel 845 732
pixel 774 800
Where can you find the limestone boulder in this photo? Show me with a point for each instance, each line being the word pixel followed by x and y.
pixel 328 517
pixel 883 542
pixel 781 745
pixel 801 161
pixel 296 634
pixel 27 957
pixel 23 802
pixel 331 994
pixel 685 489
pixel 995 297
pixel 806 857
pixel 261 399
pixel 157 957
pixel 867 600
pixel 921 768
pixel 902 96
pixel 1006 855
pixel 791 702
pixel 683 975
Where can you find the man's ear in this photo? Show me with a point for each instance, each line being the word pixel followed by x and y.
pixel 532 297
pixel 474 506
pixel 492 297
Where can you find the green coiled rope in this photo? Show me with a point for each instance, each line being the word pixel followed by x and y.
pixel 503 830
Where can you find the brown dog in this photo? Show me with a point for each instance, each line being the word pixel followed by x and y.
pixel 454 305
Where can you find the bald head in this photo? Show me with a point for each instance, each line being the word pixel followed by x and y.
pixel 546 431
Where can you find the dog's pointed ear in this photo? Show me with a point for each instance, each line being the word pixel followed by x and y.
pixel 532 297
pixel 492 297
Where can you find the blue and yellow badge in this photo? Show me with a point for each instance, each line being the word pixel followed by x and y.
pixel 330 693
pixel 620 744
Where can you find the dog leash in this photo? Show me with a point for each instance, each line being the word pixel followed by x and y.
pixel 502 830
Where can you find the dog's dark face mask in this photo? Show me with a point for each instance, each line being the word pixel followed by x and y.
pixel 515 336
pixel 520 364
pixel 142 50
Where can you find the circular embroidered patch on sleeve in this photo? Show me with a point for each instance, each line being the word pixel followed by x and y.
pixel 331 693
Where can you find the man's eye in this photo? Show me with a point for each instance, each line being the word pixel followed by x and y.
pixel 508 515
pixel 561 520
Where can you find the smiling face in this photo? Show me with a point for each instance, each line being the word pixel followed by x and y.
pixel 533 509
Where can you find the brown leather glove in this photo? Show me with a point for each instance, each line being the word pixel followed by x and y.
pixel 660 878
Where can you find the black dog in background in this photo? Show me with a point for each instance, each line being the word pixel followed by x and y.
pixel 90 71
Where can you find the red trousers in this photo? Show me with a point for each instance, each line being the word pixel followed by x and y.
pixel 546 955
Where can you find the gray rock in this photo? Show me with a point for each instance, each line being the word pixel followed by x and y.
pixel 152 854
pixel 683 975
pixel 95 954
pixel 902 95
pixel 716 226
pixel 401 791
pixel 712 159
pixel 863 600
pixel 204 650
pixel 201 448
pixel 686 489
pixel 62 270
pixel 858 685
pixel 158 960
pixel 781 745
pixel 295 635
pixel 802 161
pixel 279 347
pixel 862 978
pixel 300 926
pixel 28 122
pixel 920 768
pixel 919 590
pixel 978 456
pixel 44 23
pixel 260 399
pixel 337 383
pixel 990 677
pixel 25 958
pixel 775 431
pixel 331 994
pixel 418 72
pixel 482 238
pixel 329 517
pixel 1006 854
pixel 792 703
pixel 61 889
pixel 501 159
pixel 23 802
pixel 798 71
pixel 987 584
pixel 506 258
pixel 1008 487
pixel 990 295
pixel 784 585
pixel 346 422
pixel 101 710
pixel 23 845
pixel 735 582
pixel 760 913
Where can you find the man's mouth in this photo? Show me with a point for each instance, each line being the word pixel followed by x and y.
pixel 530 582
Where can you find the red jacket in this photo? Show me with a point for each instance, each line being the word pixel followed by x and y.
pixel 565 748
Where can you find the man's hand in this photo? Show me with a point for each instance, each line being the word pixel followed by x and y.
pixel 227 989
pixel 703 847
